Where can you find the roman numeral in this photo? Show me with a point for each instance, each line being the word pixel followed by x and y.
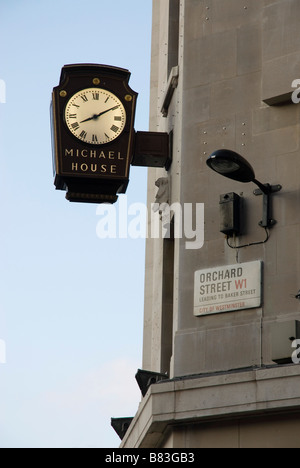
pixel 118 118
pixel 94 138
pixel 83 135
pixel 96 96
pixel 84 98
pixel 106 136
pixel 75 105
pixel 72 116
pixel 107 100
pixel 75 126
pixel 114 128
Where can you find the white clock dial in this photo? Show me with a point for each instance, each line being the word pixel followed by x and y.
pixel 95 116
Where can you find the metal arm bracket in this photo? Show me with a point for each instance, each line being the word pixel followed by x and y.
pixel 267 221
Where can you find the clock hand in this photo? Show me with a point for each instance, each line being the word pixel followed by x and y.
pixel 108 110
pixel 95 116
pixel 90 118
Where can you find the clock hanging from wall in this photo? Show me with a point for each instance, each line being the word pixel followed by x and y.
pixel 93 111
pixel 93 137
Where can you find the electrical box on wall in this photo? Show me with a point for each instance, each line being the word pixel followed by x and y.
pixel 230 214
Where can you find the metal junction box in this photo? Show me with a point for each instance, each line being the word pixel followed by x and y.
pixel 230 214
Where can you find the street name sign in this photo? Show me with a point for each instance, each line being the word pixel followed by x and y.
pixel 228 288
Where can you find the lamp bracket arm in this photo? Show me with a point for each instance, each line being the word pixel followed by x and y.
pixel 267 190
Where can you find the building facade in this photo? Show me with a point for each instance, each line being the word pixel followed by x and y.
pixel 221 319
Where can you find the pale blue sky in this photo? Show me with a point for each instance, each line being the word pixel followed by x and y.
pixel 71 305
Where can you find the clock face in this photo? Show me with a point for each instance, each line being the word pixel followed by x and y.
pixel 95 116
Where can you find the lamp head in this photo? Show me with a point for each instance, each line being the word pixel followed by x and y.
pixel 231 165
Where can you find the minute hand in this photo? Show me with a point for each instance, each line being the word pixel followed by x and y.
pixel 95 117
pixel 108 110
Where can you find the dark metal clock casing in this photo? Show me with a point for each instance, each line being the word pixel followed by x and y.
pixel 92 116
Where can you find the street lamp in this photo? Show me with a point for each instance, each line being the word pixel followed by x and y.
pixel 233 166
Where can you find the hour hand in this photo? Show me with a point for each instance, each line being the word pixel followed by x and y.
pixel 90 118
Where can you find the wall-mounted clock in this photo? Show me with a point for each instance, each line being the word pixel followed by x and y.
pixel 93 137
pixel 93 111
